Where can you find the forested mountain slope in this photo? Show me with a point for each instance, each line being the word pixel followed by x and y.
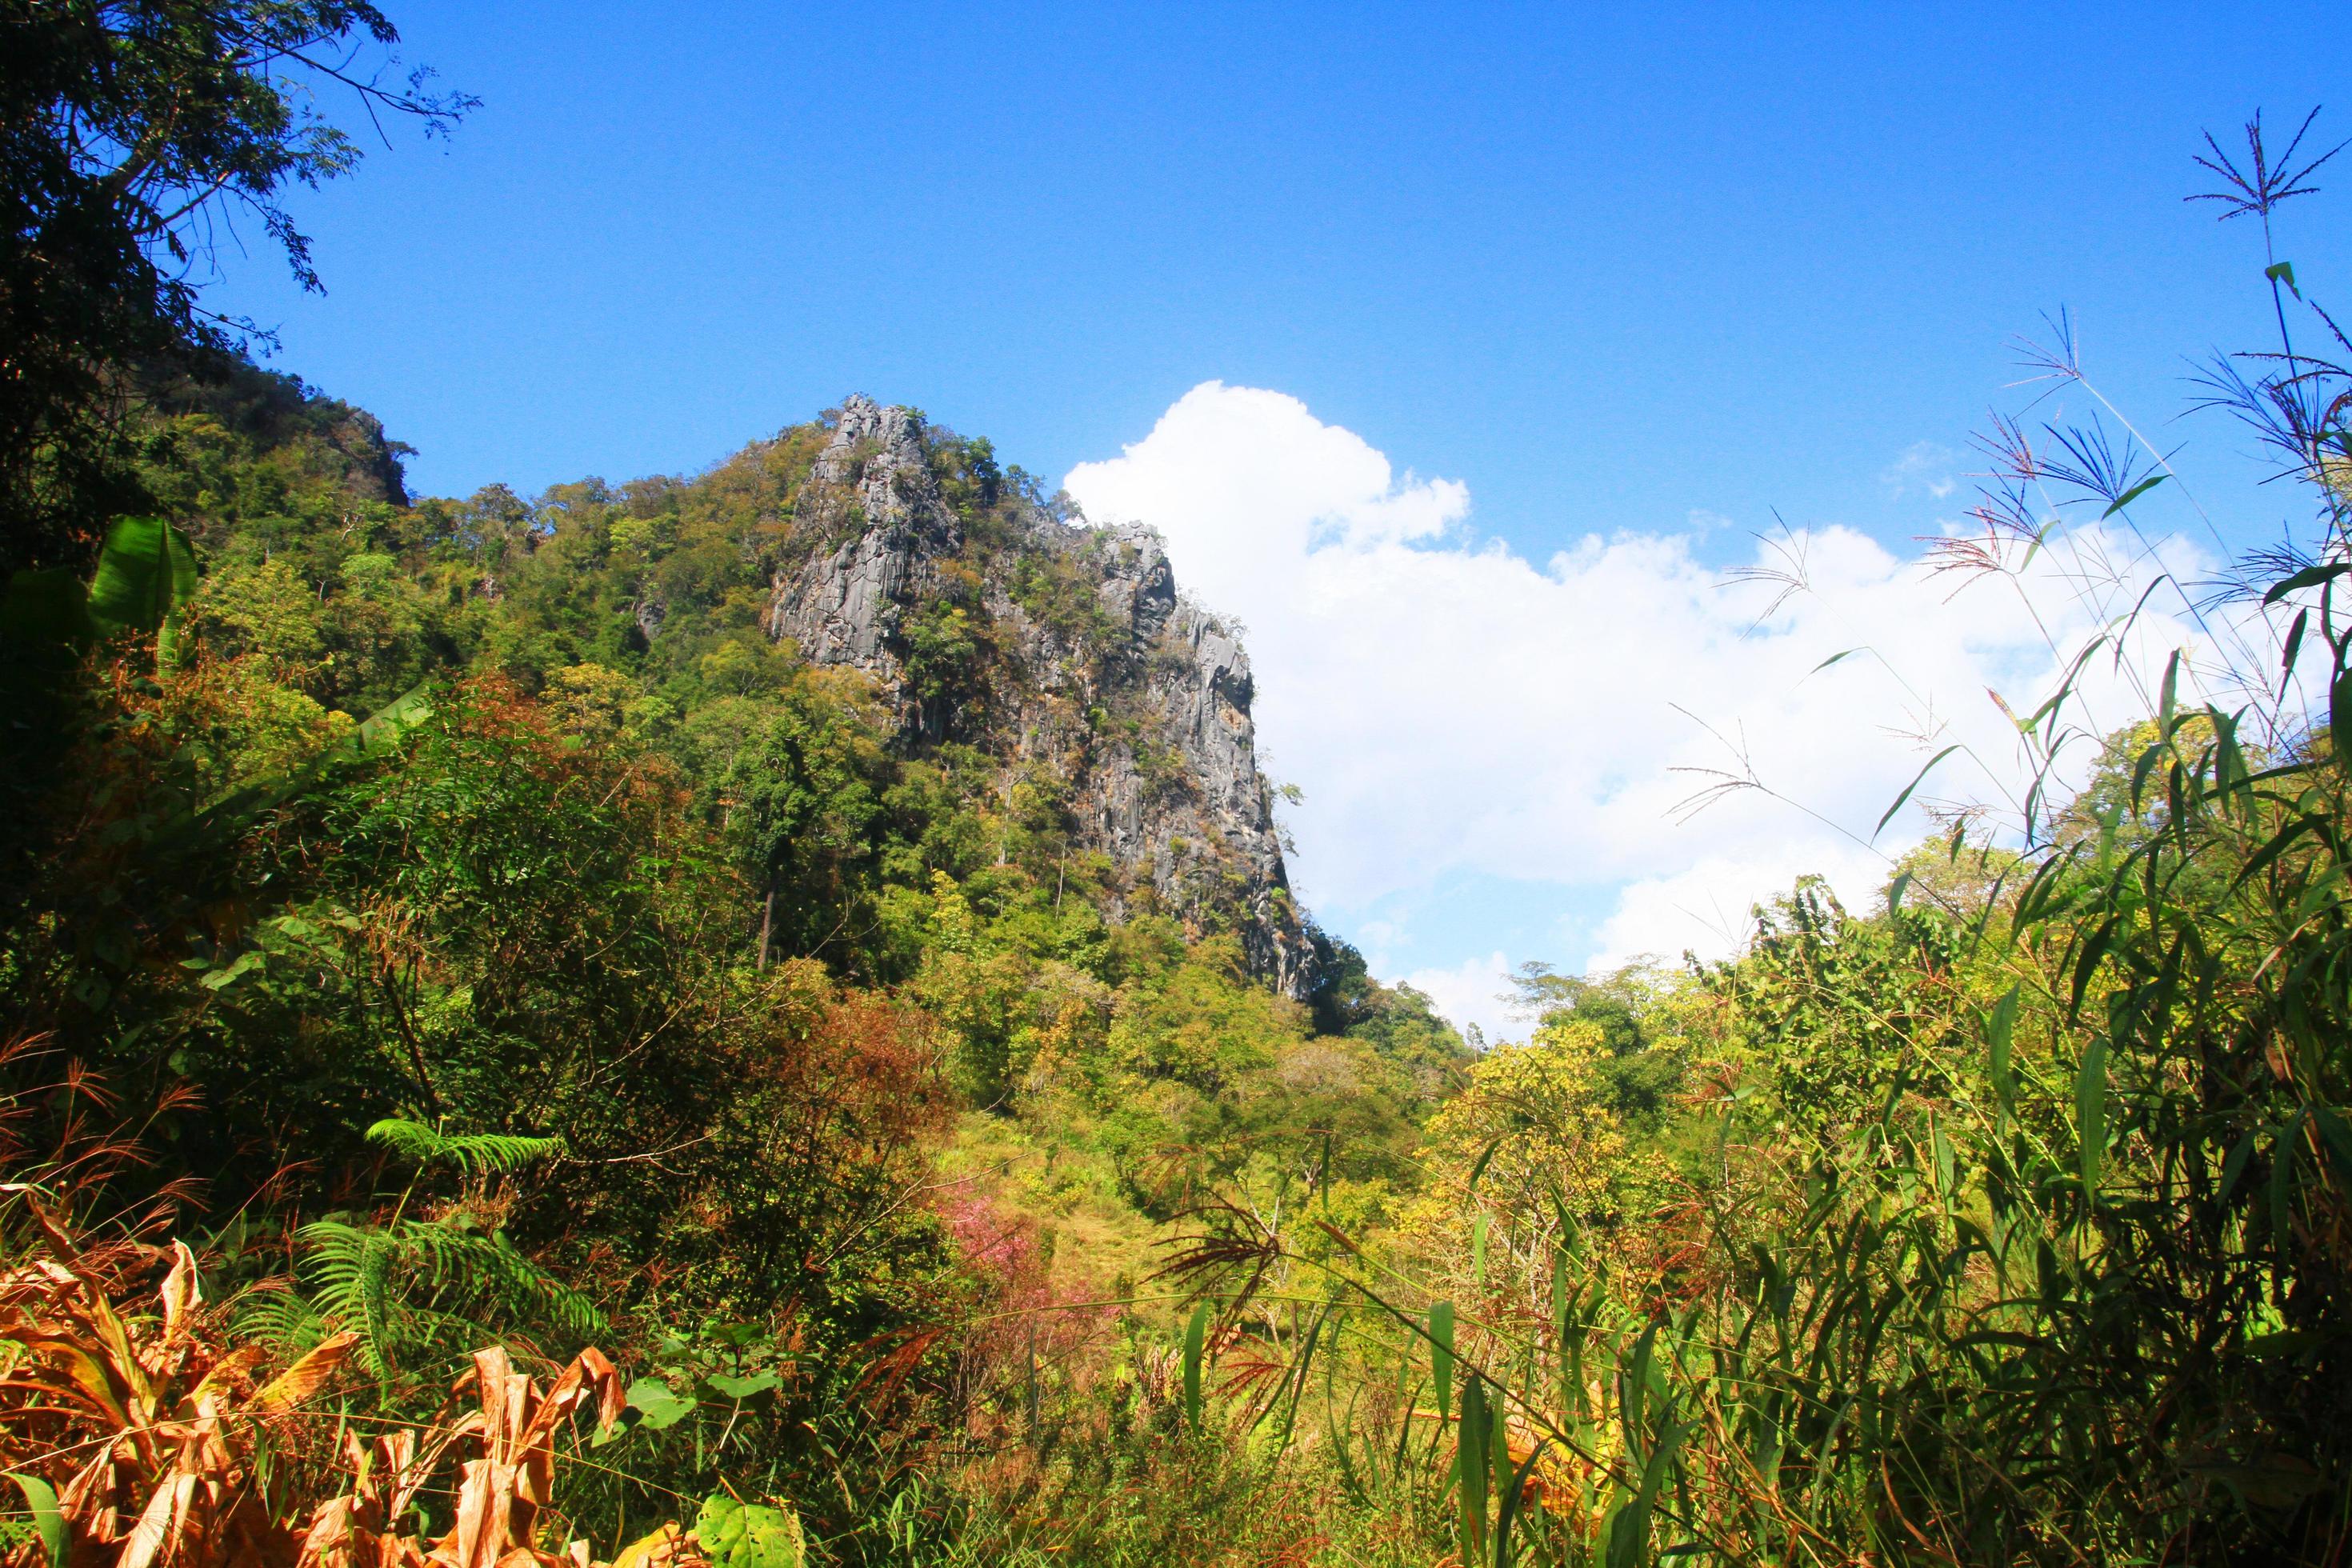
pixel 830 900
pixel 978 623
pixel 756 1019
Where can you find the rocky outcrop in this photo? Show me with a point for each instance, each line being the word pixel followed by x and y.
pixel 1143 708
pixel 873 482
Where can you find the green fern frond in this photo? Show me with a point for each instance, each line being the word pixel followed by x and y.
pixel 413 1287
pixel 474 1154
pixel 279 1319
pixel 353 1267
pixel 487 1269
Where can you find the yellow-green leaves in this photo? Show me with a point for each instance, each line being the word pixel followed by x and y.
pixel 658 1405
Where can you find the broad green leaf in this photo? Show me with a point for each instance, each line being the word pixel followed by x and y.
pixel 382 728
pixel 658 1405
pixel 2309 577
pixel 2086 960
pixel 2149 760
pixel 1515 1487
pixel 2090 1111
pixel 1629 1537
pixel 1634 1391
pixel 2282 272
pixel 146 571
pixel 749 1535
pixel 251 959
pixel 2294 647
pixel 1470 1467
pixel 2040 539
pixel 2340 714
pixel 2229 770
pixel 1998 1030
pixel 719 1525
pixel 49 1520
pixel 1441 1356
pixel 1196 1339
pixel 2234 1167
pixel 740 1388
pixel 1486 1158
pixel 2283 1143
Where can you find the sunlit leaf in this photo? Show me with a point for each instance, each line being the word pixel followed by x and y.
pixel 49 1520
pixel 1915 783
pixel 2090 1111
pixel 1999 1028
pixel 1196 1336
pixel 741 1388
pixel 2133 494
pixel 146 571
pixel 658 1405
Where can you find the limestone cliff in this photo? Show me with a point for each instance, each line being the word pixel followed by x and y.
pixel 1062 649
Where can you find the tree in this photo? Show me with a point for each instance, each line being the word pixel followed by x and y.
pixel 133 133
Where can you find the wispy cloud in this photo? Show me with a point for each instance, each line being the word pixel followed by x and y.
pixel 1924 468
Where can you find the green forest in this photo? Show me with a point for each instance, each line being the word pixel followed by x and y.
pixel 510 1057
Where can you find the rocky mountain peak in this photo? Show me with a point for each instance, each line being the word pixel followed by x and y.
pixel 1085 663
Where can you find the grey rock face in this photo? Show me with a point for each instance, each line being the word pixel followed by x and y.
pixel 873 481
pixel 1171 791
pixel 650 613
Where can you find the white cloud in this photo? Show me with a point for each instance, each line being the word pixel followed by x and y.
pixel 1705 908
pixel 1474 992
pixel 1454 709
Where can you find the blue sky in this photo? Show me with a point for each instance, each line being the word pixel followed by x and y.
pixel 1650 271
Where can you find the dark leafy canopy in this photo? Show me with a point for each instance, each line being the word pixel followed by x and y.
pixel 133 133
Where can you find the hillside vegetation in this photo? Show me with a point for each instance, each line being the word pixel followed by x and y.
pixel 757 1019
pixel 797 1040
